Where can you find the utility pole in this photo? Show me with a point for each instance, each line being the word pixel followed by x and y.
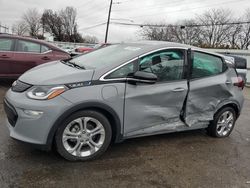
pixel 107 28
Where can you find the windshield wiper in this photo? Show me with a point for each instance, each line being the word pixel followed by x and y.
pixel 76 65
pixel 73 64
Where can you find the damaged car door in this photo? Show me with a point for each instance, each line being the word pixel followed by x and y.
pixel 208 88
pixel 156 108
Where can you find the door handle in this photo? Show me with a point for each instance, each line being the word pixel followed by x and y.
pixel 4 56
pixel 178 89
pixel 228 82
pixel 45 58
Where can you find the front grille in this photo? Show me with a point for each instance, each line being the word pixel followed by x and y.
pixel 19 86
pixel 10 112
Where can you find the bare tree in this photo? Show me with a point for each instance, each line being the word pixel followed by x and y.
pixel 184 34
pixel 216 27
pixel 68 16
pixel 212 29
pixel 62 24
pixel 187 33
pixel 19 28
pixel 157 32
pixel 31 19
pixel 52 23
pixel 244 35
pixel 234 35
pixel 90 39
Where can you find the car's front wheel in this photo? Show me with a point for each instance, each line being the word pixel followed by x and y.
pixel 83 136
pixel 223 123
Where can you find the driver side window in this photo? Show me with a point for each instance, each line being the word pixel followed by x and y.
pixel 167 65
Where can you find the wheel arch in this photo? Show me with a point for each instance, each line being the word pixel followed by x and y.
pixel 106 110
pixel 231 104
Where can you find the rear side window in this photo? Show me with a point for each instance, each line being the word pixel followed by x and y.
pixel 6 44
pixel 26 46
pixel 206 65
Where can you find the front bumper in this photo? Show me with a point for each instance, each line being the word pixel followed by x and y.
pixel 29 128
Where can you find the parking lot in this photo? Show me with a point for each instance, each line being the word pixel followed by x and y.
pixel 188 159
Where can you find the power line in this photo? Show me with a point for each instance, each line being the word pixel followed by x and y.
pixel 183 26
pixel 163 25
pixel 216 24
pixel 95 6
pixel 85 4
pixel 99 10
pixel 108 21
pixel 93 26
pixel 155 6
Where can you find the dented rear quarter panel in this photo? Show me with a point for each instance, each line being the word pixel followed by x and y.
pixel 208 95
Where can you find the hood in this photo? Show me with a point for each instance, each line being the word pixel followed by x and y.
pixel 55 73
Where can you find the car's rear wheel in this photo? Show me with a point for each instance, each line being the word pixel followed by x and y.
pixel 85 135
pixel 223 123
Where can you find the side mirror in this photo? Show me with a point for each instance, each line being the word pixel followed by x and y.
pixel 143 77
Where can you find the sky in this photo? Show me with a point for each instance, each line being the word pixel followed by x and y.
pixel 94 12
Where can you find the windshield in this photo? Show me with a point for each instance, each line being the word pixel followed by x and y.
pixel 106 56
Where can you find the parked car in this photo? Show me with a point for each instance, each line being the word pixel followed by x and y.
pixel 123 91
pixel 101 45
pixel 83 49
pixel 68 49
pixel 19 54
pixel 80 50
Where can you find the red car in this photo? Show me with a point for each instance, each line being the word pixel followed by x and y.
pixel 19 54
pixel 83 49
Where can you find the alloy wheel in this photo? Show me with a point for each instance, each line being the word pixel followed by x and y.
pixel 83 136
pixel 225 123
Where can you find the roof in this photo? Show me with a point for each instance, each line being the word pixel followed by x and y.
pixel 160 43
pixel 151 45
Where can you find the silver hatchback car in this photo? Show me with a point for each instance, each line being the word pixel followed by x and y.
pixel 123 91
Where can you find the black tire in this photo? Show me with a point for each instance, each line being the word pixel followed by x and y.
pixel 212 128
pixel 86 113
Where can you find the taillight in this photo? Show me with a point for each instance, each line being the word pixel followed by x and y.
pixel 239 82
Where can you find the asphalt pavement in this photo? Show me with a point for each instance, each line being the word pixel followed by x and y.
pixel 187 159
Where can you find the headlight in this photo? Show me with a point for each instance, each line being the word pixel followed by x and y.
pixel 46 92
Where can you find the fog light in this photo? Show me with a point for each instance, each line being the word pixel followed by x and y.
pixel 33 112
